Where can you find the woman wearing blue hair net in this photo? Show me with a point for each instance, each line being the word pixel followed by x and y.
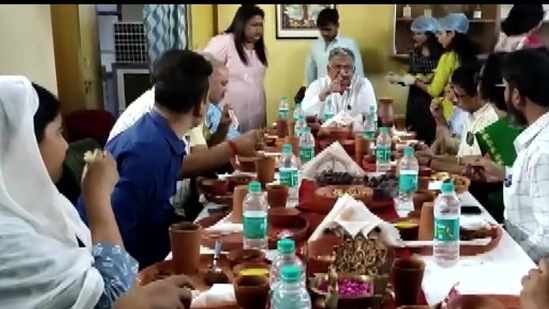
pixel 423 61
pixel 458 50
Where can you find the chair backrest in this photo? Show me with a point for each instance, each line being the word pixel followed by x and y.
pixel 83 124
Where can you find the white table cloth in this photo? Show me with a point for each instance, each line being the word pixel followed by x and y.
pixel 496 272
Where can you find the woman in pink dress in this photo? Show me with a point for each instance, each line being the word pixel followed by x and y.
pixel 242 49
pixel 519 28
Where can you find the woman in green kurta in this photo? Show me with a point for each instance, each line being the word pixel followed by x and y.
pixel 497 140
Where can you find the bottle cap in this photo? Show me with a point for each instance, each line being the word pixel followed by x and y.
pixel 306 129
pixel 290 273
pixel 447 187
pixel 254 187
pixel 384 130
pixel 285 246
pixel 372 108
pixel 287 148
pixel 409 151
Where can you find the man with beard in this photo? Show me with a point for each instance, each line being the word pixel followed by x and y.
pixel 328 24
pixel 341 90
pixel 149 156
pixel 526 194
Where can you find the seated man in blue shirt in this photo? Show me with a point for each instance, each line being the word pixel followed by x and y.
pixel 149 155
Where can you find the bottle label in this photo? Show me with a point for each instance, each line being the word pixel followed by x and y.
pixel 446 229
pixel 255 227
pixel 283 114
pixel 306 154
pixel 288 177
pixel 407 183
pixel 383 154
pixel 369 134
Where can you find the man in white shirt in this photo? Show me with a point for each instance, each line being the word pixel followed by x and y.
pixel 317 60
pixel 526 184
pixel 341 90
pixel 480 114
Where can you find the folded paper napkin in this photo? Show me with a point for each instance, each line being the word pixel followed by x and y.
pixel 342 118
pixel 333 157
pixel 217 296
pixel 355 217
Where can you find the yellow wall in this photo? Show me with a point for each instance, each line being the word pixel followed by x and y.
pixel 371 27
pixel 202 24
pixel 27 43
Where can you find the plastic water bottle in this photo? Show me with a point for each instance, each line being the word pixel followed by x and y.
pixel 283 109
pixel 290 293
pixel 446 227
pixel 288 173
pixel 285 256
pixel 370 128
pixel 306 145
pixel 383 150
pixel 407 182
pixel 300 123
pixel 298 112
pixel 254 209
pixel 374 115
pixel 329 110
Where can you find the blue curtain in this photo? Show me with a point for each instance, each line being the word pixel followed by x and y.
pixel 165 28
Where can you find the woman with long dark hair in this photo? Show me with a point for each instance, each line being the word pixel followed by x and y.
pixel 242 48
pixel 519 28
pixel 423 61
pixel 458 50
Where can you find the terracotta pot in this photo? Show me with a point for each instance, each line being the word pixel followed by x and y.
pixel 291 128
pixel 362 147
pixel 319 253
pixel 400 122
pixel 422 196
pixel 265 167
pixel 238 198
pixel 385 111
pixel 270 140
pixel 425 171
pixel 407 274
pixel 251 292
pixel 426 224
pixel 277 195
pixel 185 239
pixel 239 256
pixel 281 128
pixel 216 187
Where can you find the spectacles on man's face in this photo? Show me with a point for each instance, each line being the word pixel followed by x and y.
pixel 342 67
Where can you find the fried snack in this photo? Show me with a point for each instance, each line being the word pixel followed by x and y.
pixel 441 176
pixel 88 156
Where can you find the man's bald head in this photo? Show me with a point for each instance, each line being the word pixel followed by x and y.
pixel 218 80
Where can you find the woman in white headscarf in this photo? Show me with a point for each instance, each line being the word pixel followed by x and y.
pixel 48 257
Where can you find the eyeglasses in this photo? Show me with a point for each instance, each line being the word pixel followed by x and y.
pixel 345 67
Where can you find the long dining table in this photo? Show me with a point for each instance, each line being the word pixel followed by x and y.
pixel 497 272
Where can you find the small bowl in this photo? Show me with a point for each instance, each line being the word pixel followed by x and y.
pixel 461 184
pixel 240 256
pixel 251 292
pixel 408 228
pixel 249 265
pixel 239 180
pixel 277 195
pixel 270 140
pixel 319 253
pixel 358 301
pixel 215 187
pixel 297 225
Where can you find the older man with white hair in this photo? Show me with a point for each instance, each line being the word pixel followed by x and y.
pixel 341 90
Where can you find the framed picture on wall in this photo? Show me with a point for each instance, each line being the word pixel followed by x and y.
pixel 298 21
